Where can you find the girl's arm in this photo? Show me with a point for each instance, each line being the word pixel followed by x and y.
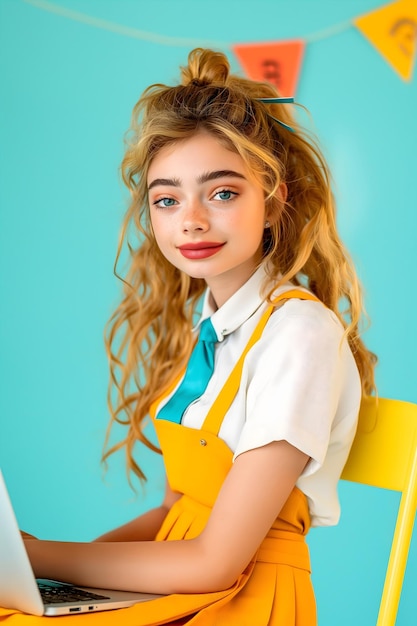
pixel 146 526
pixel 251 497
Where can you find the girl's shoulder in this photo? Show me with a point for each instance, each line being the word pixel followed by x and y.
pixel 303 310
pixel 304 324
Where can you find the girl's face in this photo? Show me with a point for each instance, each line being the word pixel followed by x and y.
pixel 207 213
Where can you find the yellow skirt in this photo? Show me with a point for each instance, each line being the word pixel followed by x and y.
pixel 275 589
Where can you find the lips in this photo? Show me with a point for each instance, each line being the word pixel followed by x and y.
pixel 201 250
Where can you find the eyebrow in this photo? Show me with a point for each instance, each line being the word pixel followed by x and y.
pixel 204 178
pixel 218 174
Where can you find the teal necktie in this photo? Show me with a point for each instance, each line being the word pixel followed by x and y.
pixel 197 375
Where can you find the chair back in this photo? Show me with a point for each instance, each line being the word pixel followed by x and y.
pixel 384 454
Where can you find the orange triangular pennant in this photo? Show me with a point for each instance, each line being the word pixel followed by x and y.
pixel 277 63
pixel 393 31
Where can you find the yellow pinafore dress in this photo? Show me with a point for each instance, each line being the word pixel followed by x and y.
pixel 274 590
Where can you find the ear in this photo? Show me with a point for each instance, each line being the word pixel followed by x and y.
pixel 274 212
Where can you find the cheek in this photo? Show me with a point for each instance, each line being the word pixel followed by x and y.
pixel 252 225
pixel 158 225
pixel 158 232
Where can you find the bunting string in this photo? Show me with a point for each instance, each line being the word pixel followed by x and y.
pixel 127 31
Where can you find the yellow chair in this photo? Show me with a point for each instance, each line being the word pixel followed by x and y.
pixel 384 454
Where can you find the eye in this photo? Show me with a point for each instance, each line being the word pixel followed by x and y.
pixel 224 195
pixel 164 202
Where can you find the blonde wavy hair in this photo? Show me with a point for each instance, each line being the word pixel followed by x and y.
pixel 148 338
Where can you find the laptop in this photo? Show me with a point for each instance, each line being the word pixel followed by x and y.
pixel 19 589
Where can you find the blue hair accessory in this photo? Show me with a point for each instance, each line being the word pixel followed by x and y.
pixel 278 101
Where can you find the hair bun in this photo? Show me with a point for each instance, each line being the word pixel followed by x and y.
pixel 205 67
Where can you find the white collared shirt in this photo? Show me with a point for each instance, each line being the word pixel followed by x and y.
pixel 299 383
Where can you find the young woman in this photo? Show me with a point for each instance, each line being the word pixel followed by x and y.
pixel 231 214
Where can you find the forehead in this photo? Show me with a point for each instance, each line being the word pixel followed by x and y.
pixel 201 152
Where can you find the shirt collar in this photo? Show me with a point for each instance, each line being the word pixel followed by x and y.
pixel 238 308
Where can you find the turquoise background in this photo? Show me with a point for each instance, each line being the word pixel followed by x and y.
pixel 67 90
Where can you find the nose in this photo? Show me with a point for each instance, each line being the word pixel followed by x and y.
pixel 195 218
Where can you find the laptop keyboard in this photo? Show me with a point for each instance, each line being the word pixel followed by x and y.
pixel 53 593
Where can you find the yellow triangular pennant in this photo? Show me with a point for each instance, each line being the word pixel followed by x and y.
pixel 393 31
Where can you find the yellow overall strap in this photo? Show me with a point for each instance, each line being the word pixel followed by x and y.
pixel 226 396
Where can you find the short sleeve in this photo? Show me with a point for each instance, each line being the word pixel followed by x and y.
pixel 293 378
